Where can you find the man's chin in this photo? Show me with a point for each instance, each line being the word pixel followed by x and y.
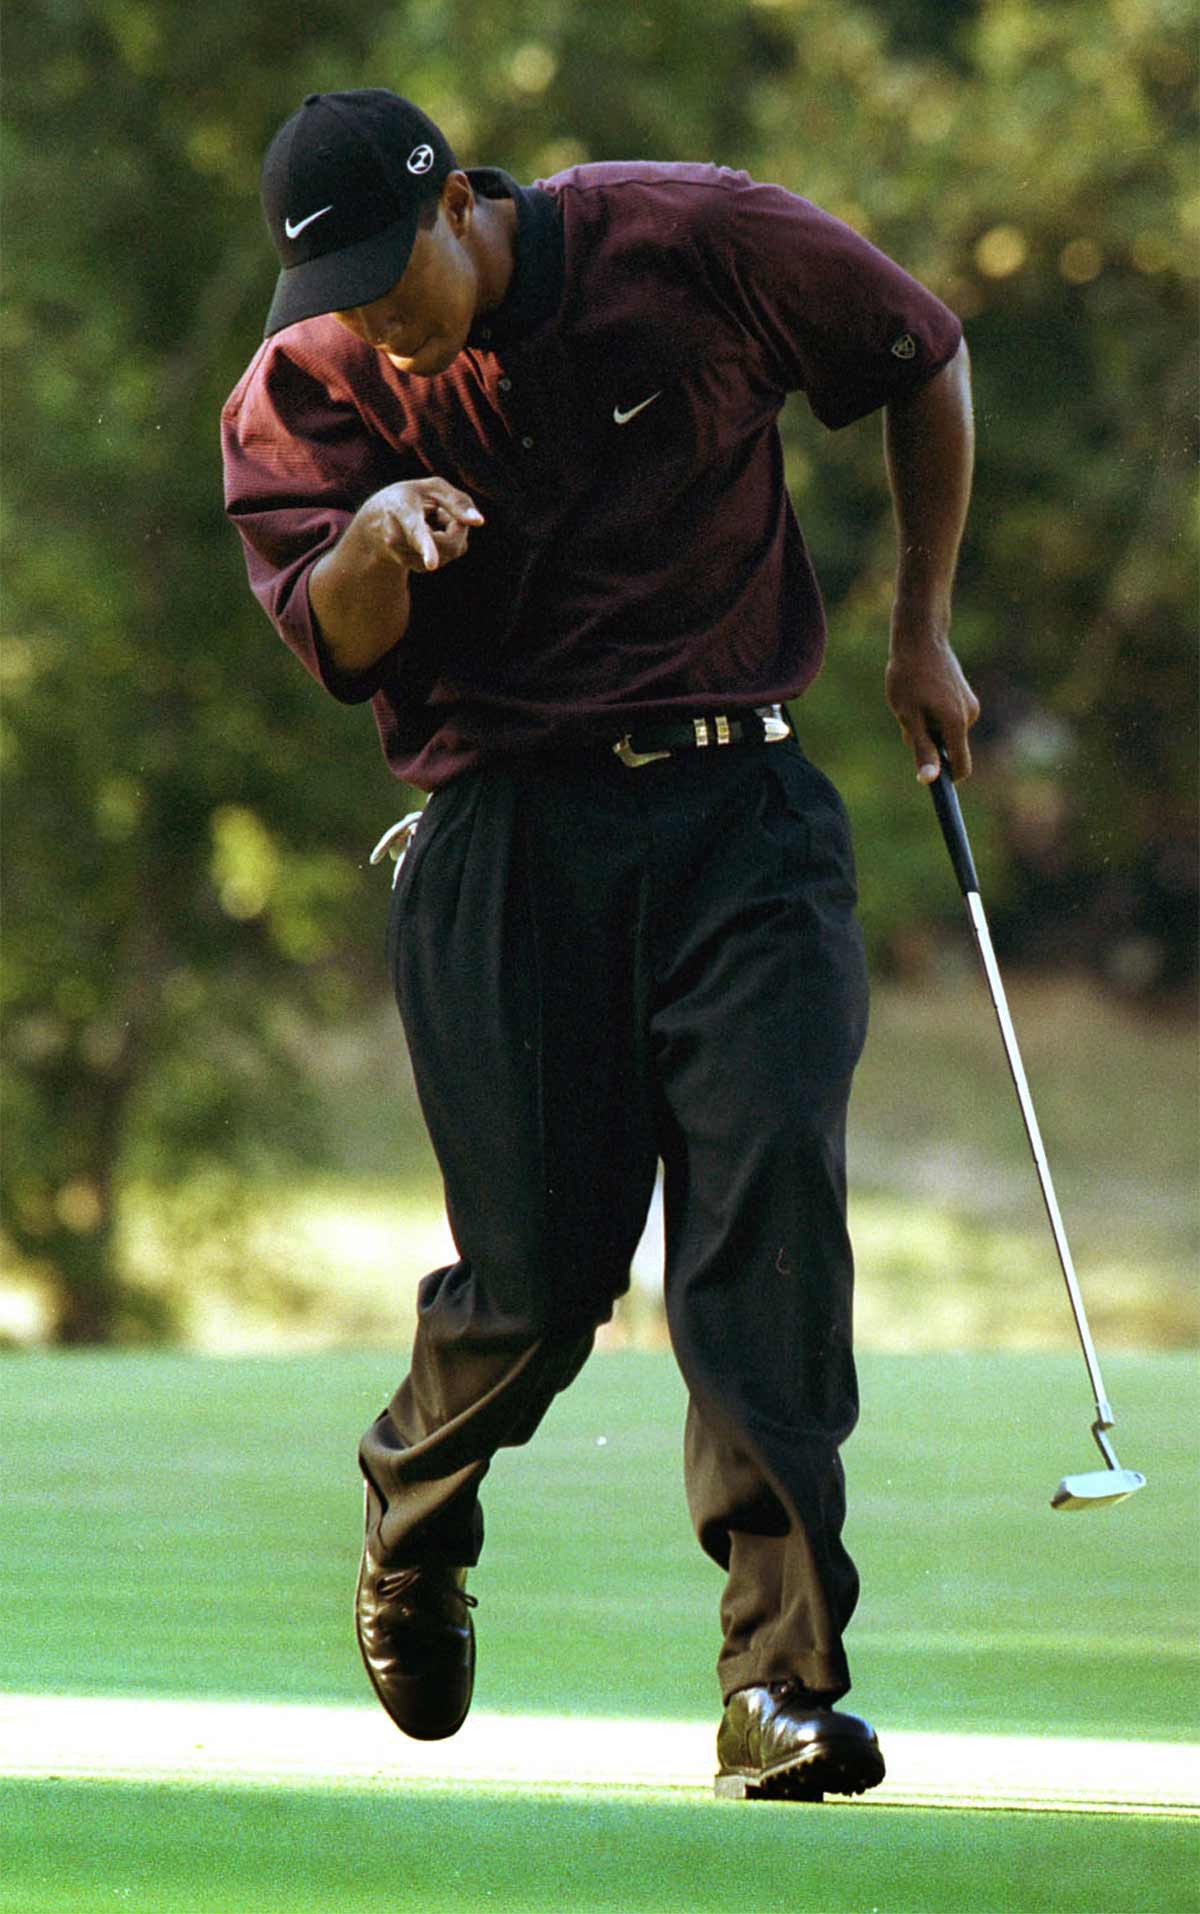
pixel 435 356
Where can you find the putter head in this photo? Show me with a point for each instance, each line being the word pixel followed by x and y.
pixel 1096 1490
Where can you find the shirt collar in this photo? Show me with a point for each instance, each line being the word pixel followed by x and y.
pixel 536 287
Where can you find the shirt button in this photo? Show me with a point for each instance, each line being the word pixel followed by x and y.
pixel 505 385
pixel 527 442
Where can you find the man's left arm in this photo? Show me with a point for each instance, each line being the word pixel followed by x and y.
pixel 929 445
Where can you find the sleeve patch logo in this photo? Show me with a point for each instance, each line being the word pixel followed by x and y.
pixel 905 347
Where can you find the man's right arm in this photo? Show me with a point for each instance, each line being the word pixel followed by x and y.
pixel 359 589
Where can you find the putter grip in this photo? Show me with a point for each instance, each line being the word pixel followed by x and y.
pixel 945 803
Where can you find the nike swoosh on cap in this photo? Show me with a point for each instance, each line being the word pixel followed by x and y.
pixel 294 228
pixel 623 418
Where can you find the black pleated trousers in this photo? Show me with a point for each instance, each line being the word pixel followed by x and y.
pixel 596 968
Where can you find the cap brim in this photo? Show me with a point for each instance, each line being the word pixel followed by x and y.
pixel 335 282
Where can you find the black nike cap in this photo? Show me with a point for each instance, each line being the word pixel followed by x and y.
pixel 343 183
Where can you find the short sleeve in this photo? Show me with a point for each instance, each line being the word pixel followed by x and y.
pixel 834 317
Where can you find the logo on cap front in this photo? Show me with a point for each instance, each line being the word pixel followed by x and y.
pixel 294 227
pixel 905 347
pixel 420 159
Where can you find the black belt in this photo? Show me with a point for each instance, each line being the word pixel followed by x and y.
pixel 764 725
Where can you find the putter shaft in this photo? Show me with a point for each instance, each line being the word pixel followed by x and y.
pixel 1104 1414
pixel 945 799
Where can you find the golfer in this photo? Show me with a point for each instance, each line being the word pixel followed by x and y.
pixel 508 466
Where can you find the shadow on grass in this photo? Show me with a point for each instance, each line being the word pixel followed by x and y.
pixel 180 1850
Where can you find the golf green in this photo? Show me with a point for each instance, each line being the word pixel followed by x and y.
pixel 178 1525
pixel 186 1527
pixel 250 1851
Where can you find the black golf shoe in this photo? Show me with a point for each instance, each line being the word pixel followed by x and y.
pixel 416 1638
pixel 778 1743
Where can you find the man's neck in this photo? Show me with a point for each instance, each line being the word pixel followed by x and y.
pixel 496 249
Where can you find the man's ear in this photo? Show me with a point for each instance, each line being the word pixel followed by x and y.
pixel 457 201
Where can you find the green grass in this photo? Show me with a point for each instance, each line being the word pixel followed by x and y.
pixel 86 1848
pixel 186 1526
pixel 1116 1095
pixel 178 1525
pixel 951 1238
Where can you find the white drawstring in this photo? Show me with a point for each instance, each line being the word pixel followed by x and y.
pixel 395 842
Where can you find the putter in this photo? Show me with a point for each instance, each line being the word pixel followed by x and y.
pixel 1112 1483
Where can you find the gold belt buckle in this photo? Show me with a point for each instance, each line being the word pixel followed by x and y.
pixel 633 759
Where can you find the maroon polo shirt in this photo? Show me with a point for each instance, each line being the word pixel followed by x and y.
pixel 615 420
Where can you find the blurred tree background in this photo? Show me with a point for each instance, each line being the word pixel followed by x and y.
pixel 192 946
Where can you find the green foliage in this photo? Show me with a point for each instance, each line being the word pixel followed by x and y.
pixel 188 815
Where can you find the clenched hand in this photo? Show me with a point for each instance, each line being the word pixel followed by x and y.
pixel 359 589
pixel 420 523
pixel 932 703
